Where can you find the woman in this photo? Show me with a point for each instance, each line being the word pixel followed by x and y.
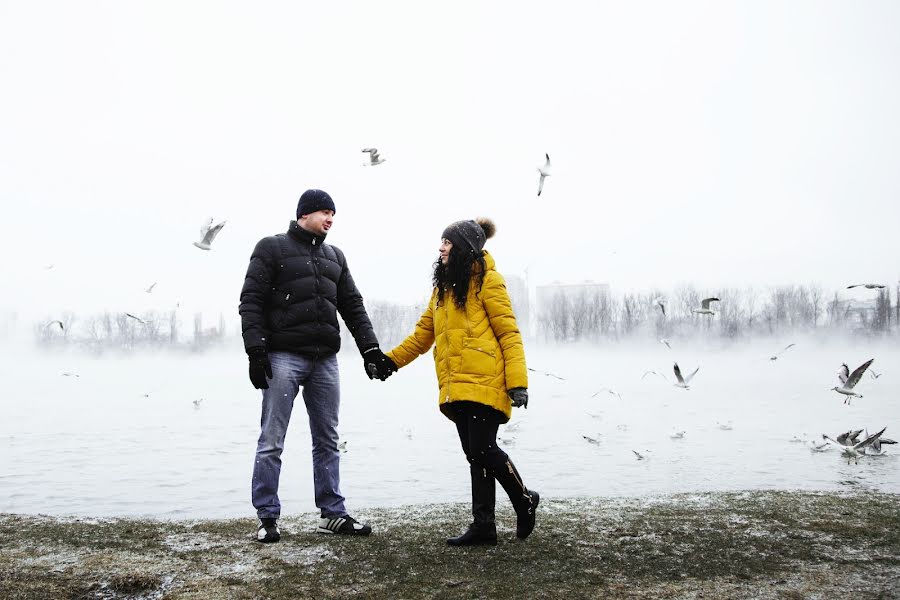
pixel 480 364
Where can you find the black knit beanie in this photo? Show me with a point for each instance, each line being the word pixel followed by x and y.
pixel 313 200
pixel 469 235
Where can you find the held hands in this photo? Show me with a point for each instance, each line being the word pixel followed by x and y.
pixel 519 397
pixel 377 364
pixel 260 367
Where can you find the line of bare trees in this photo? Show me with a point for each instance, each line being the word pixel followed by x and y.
pixel 108 330
pixel 594 314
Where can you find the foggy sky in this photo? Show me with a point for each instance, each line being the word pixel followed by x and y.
pixel 724 144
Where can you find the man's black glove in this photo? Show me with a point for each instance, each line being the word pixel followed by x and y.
pixel 377 364
pixel 260 367
pixel 519 397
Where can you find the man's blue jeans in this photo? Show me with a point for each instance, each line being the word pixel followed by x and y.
pixel 322 394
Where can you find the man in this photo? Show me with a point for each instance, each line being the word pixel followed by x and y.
pixel 295 286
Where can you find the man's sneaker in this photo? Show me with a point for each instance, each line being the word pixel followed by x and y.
pixel 345 525
pixel 268 531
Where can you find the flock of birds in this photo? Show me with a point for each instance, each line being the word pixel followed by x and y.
pixel 850 446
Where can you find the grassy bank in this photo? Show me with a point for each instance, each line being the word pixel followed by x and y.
pixel 739 545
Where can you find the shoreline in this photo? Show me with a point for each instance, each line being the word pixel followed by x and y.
pixel 753 544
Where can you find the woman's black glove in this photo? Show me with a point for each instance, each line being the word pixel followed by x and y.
pixel 519 397
pixel 260 367
pixel 377 364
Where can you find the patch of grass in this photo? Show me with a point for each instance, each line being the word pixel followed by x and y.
pixel 727 545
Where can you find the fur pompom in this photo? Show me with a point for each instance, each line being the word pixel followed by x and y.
pixel 487 226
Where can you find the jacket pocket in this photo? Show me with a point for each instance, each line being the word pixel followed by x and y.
pixel 479 357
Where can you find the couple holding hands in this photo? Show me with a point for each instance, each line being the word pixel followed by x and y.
pixel 295 287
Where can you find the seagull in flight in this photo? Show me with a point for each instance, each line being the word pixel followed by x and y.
pixel 677 435
pixel 547 374
pixel 149 290
pixel 704 307
pixel 683 382
pixel 874 449
pixel 777 354
pixel 208 233
pixel 856 450
pixel 638 455
pixel 874 374
pixel 666 342
pixel 60 323
pixel 545 172
pixel 608 391
pixel 138 319
pixel 375 159
pixel 591 440
pixel 868 286
pixel 849 380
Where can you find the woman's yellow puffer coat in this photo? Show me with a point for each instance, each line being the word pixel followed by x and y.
pixel 478 352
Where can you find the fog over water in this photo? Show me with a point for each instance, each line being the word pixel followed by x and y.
pixel 95 445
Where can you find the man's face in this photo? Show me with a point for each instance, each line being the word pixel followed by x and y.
pixel 446 246
pixel 318 222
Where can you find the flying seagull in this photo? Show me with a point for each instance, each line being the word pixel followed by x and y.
pixel 853 451
pixel 149 290
pixel 591 440
pixel 868 286
pixel 639 455
pixel 608 391
pixel 677 435
pixel 874 374
pixel 138 319
pixel 704 310
pixel 849 380
pixel 848 438
pixel 666 342
pixel 547 374
pixel 545 172
pixel 777 354
pixel 374 158
pixel 683 382
pixel 61 326
pixel 208 233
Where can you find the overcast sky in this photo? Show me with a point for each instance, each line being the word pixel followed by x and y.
pixel 719 143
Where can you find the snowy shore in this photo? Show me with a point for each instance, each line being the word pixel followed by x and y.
pixel 755 544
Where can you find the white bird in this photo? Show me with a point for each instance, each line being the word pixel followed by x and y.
pixel 149 290
pixel 874 449
pixel 197 402
pixel 849 381
pixel 547 374
pixel 704 307
pixel 677 435
pixel 816 447
pixel 853 452
pixel 608 391
pixel 848 438
pixel 70 374
pixel 725 426
pixel 60 323
pixel 780 352
pixel 208 233
pixel 874 374
pixel 138 319
pixel 666 342
pixel 683 382
pixel 638 455
pixel 374 158
pixel 545 172
pixel 591 440
pixel 868 286
pixel 654 373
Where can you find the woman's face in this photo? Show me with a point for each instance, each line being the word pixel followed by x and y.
pixel 446 246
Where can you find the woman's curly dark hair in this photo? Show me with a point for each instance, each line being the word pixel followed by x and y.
pixel 456 275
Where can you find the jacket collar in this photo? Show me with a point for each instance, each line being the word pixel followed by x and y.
pixel 302 235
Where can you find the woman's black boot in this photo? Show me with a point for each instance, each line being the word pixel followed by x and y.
pixel 483 530
pixel 524 502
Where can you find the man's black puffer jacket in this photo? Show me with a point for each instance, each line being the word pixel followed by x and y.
pixel 294 288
